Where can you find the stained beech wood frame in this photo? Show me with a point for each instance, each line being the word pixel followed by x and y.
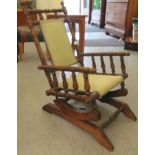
pixel 63 94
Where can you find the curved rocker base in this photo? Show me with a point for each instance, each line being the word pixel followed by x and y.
pixel 118 104
pixel 90 128
pixel 60 108
pixel 93 115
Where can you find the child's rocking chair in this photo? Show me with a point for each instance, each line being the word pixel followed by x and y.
pixel 87 86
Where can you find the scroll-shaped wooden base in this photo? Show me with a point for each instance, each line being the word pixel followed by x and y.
pixel 90 128
pixel 92 115
pixel 118 104
pixel 60 108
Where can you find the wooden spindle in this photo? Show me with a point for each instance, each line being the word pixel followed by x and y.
pixel 75 83
pixel 49 79
pixel 65 84
pixel 93 62
pixel 111 118
pixel 46 15
pixel 102 64
pixel 123 85
pixel 122 65
pixel 55 81
pixel 71 25
pixel 112 65
pixel 35 38
pixel 86 83
pixel 41 16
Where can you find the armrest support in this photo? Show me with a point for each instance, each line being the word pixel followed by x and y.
pixel 67 68
pixel 85 70
pixel 111 55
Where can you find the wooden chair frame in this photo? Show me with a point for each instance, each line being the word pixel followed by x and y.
pixel 63 94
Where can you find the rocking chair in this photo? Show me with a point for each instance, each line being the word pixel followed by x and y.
pixel 85 85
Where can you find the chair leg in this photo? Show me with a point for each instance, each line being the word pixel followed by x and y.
pixel 88 127
pixel 17 52
pixel 21 50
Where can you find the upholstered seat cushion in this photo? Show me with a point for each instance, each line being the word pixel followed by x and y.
pixel 100 83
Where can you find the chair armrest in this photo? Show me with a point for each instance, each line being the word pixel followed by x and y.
pixel 67 68
pixel 110 55
pixel 106 54
pixel 54 84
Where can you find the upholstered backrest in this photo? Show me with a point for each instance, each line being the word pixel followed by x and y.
pixel 55 4
pixel 57 41
pixel 48 4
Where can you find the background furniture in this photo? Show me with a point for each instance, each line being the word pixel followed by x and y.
pixel 23 32
pixel 26 3
pixel 119 14
pixel 131 43
pixel 97 14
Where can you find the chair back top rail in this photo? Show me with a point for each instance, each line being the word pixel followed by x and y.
pixel 36 22
pixel 37 11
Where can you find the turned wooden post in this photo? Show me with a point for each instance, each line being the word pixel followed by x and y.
pixel 86 83
pixel 112 65
pixel 102 64
pixel 111 118
pixel 93 62
pixel 35 38
pixel 123 85
pixel 49 79
pixel 41 16
pixel 68 21
pixel 123 70
pixel 65 84
pixel 122 65
pixel 75 83
pixel 55 81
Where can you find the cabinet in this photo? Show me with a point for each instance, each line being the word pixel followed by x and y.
pixel 119 14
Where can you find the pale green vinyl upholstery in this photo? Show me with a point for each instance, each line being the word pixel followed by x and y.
pixel 100 83
pixel 57 41
pixel 60 50
pixel 55 4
